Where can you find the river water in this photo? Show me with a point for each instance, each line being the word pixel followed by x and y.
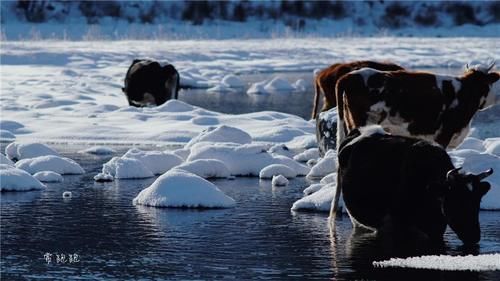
pixel 108 238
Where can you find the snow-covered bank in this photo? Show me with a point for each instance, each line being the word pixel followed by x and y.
pixel 70 91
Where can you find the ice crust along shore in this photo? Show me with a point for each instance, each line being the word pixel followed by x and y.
pixel 485 262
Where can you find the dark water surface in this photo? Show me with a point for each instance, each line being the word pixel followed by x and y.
pixel 258 239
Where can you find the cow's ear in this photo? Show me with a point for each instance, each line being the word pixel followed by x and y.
pixel 493 77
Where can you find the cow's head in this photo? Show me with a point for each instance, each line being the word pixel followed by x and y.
pixel 484 77
pixel 462 196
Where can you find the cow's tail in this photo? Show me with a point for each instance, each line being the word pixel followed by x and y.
pixel 317 93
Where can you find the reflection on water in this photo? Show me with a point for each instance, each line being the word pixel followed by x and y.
pixel 259 238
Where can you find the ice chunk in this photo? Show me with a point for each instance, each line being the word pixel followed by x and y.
pixel 178 188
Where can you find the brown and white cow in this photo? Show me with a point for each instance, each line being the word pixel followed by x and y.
pixel 325 81
pixel 433 107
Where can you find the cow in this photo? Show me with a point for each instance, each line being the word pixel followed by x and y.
pixel 148 82
pixel 409 186
pixel 437 108
pixel 325 81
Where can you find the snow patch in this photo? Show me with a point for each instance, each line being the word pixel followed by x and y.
pixel 485 262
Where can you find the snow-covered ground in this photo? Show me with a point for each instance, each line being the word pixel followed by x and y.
pixel 71 91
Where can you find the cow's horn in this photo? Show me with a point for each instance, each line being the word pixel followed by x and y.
pixel 490 67
pixel 485 174
pixel 452 173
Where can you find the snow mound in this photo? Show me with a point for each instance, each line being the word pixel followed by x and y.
pixel 182 153
pixel 325 166
pixel 320 201
pixel 277 169
pixel 220 88
pixel 126 168
pixel 279 180
pixel 221 134
pixel 178 188
pixel 103 177
pixel 278 84
pixel 257 88
pixel 311 153
pixel 281 149
pixel 14 179
pixel 48 176
pixel 232 81
pixel 243 160
pixel 5 160
pixel 483 262
pixel 206 168
pixel 57 164
pixel 18 151
pixel 473 161
pixel 6 135
pixel 156 161
pixel 99 150
pixel 492 146
pixel 312 188
pixel 329 178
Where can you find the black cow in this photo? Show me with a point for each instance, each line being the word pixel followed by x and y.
pixel 409 184
pixel 150 83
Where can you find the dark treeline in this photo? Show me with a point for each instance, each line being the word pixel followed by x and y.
pixel 390 14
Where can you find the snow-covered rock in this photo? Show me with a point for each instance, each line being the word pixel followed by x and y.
pixel 232 81
pixel 300 169
pixel 329 178
pixel 99 150
pixel 57 164
pixel 281 149
pixel 14 179
pixel 311 153
pixel 320 201
pixel 312 188
pixel 178 188
pixel 5 160
pixel 157 162
pixel 18 151
pixel 126 168
pixel 183 153
pixel 279 180
pixel 484 262
pixel 48 176
pixel 277 169
pixel 257 88
pixel 206 168
pixel 278 84
pixel 103 177
pixel 492 146
pixel 324 166
pixel 221 134
pixel 67 194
